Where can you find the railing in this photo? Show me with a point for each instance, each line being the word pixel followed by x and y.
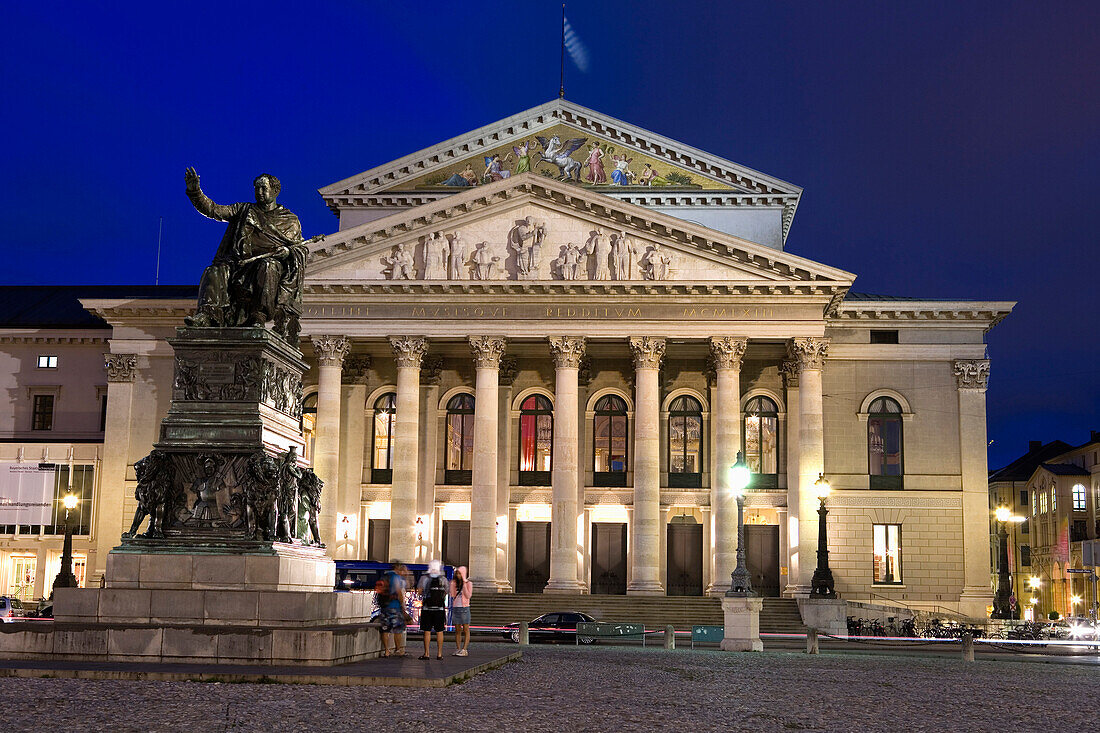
pixel 934 609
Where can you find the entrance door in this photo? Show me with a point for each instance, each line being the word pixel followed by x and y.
pixel 24 569
pixel 762 556
pixel 378 540
pixel 685 557
pixel 532 556
pixel 456 542
pixel 609 559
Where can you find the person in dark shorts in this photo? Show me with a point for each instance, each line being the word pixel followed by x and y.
pixel 392 605
pixel 433 611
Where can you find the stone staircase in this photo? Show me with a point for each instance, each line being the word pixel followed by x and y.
pixel 780 615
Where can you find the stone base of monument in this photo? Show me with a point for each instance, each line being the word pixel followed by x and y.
pixel 742 624
pixel 827 615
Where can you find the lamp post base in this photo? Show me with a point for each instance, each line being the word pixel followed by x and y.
pixel 742 624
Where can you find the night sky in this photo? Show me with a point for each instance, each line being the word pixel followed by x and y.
pixel 947 150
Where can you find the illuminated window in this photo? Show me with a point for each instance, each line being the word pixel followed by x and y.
pixel 22 570
pixel 1079 497
pixel 47 362
pixel 1042 502
pixel 887 553
pixel 685 443
pixel 884 444
pixel 761 430
pixel 1054 499
pixel 42 412
pixel 460 440
pixel 536 440
pixel 385 414
pixel 309 424
pixel 609 435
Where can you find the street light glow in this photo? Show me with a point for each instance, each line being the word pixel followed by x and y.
pixel 822 487
pixel 1074 600
pixel 70 501
pixel 1033 582
pixel 740 476
pixel 1003 514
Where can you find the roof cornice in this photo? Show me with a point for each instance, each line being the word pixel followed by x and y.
pixel 816 290
pixel 986 313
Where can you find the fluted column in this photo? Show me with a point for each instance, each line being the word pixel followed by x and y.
pixel 409 351
pixel 972 378
pixel 567 352
pixel 646 529
pixel 726 352
pixel 789 534
pixel 810 355
pixel 487 351
pixel 330 352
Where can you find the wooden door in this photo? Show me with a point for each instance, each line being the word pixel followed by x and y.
pixel 378 541
pixel 685 558
pixel 456 543
pixel 609 558
pixel 762 556
pixel 532 556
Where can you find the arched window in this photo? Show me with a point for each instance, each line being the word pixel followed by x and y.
pixel 609 436
pixel 385 413
pixel 460 439
pixel 685 443
pixel 884 444
pixel 309 424
pixel 761 437
pixel 1079 504
pixel 536 440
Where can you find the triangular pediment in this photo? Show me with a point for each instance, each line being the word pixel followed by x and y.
pixel 496 226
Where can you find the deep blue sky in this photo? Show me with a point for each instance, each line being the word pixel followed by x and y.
pixel 946 149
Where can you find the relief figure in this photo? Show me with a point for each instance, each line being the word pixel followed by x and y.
pixel 435 257
pixel 622 257
pixel 600 248
pixel 400 264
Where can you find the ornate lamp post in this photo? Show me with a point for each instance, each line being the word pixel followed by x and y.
pixel 1002 603
pixel 821 585
pixel 65 577
pixel 740 477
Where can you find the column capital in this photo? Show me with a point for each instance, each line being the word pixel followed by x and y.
pixel 509 368
pixel 567 351
pixel 972 373
pixel 648 351
pixel 788 369
pixel 409 350
pixel 727 351
pixel 120 367
pixel 487 350
pixel 331 350
pixel 809 352
pixel 355 369
pixel 431 369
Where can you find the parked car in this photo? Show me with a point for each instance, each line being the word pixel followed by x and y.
pixel 43 610
pixel 11 609
pixel 554 626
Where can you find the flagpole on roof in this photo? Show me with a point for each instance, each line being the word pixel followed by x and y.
pixel 561 91
pixel 160 228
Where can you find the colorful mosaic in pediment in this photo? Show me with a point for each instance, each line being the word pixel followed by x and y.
pixel 566 153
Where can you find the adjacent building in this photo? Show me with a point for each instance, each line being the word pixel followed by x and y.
pixel 537 349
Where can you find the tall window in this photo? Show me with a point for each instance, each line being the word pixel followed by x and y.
pixel 887 553
pixel 884 444
pixel 385 412
pixel 309 423
pixel 460 439
pixel 1025 555
pixel 536 439
pixel 42 412
pixel 761 441
pixel 685 443
pixel 1078 497
pixel 609 442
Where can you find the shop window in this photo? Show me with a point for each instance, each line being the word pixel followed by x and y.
pixel 887 539
pixel 42 412
pixel 609 441
pixel 884 444
pixel 22 571
pixel 460 440
pixel 685 443
pixel 536 441
pixel 761 441
pixel 385 416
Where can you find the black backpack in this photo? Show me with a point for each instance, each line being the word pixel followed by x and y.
pixel 435 598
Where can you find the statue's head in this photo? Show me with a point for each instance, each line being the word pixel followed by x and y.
pixel 267 188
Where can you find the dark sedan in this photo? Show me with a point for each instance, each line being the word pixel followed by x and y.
pixel 556 626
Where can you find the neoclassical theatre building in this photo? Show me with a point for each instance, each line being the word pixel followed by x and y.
pixel 538 347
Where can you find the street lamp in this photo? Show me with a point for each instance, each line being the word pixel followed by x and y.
pixel 740 477
pixel 821 585
pixel 1002 599
pixel 65 577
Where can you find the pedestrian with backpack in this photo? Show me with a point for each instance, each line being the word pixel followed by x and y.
pixel 390 592
pixel 433 613
pixel 460 592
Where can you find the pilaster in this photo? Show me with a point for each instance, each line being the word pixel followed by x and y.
pixel 971 379
pixel 121 369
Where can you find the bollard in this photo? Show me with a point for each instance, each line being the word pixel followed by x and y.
pixel 968 647
pixel 670 637
pixel 811 641
pixel 524 638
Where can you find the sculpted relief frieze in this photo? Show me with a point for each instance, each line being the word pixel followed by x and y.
pixel 228 377
pixel 524 311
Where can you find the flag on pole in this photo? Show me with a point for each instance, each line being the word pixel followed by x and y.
pixel 577 52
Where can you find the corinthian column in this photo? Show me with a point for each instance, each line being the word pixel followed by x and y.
pixel 330 351
pixel 645 577
pixel 789 534
pixel 487 351
pixel 567 352
pixel 109 519
pixel 726 352
pixel 810 356
pixel 409 351
pixel 971 378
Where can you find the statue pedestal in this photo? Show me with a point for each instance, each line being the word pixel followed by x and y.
pixel 742 624
pixel 827 615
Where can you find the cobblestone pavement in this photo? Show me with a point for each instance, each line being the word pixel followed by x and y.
pixel 564 688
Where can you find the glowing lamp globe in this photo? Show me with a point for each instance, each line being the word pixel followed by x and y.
pixel 70 501
pixel 822 487
pixel 740 476
pixel 1033 582
pixel 1003 514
